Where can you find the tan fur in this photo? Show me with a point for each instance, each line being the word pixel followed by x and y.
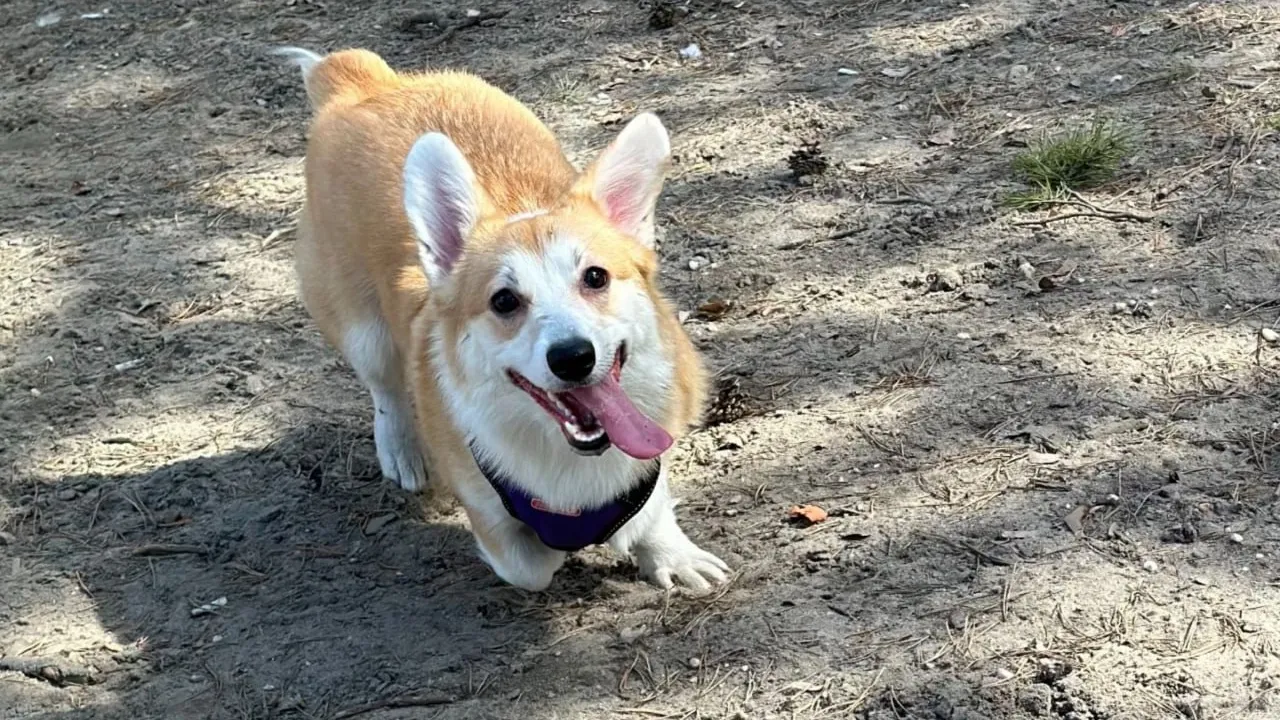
pixel 356 254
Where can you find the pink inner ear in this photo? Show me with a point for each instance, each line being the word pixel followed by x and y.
pixel 622 200
pixel 449 238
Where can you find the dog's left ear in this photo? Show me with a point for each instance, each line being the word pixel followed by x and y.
pixel 627 177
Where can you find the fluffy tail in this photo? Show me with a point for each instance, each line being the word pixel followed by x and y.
pixel 348 76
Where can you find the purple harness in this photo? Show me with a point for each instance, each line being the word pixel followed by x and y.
pixel 570 531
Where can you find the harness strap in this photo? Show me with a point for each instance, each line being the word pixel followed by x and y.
pixel 574 530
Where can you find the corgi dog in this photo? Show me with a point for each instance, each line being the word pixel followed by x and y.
pixel 503 310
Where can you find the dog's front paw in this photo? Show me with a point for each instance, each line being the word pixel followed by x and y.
pixel 681 561
pixel 398 454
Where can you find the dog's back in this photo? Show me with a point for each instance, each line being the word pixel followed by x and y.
pixel 354 228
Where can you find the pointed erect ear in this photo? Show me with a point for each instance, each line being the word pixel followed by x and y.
pixel 441 201
pixel 627 177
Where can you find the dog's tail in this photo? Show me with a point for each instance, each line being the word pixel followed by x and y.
pixel 348 76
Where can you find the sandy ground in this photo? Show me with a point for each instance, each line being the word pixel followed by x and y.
pixel 1047 444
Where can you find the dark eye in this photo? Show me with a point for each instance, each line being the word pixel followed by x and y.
pixel 595 278
pixel 504 302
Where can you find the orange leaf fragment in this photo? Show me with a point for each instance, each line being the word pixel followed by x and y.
pixel 807 514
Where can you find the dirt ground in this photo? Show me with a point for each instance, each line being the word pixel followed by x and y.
pixel 1047 444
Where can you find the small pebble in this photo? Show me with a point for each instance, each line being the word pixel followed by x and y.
pixel 1004 674
pixel 695 663
pixel 964 336
pixel 1236 538
pixel 1120 307
pixel 209 608
pixel 67 494
pixel 1269 335
pixel 1151 566
pixel 697 263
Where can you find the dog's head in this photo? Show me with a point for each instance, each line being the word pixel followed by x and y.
pixel 550 321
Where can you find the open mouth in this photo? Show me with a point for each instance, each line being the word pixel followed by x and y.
pixel 596 417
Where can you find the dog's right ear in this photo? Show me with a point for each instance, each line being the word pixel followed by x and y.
pixel 441 202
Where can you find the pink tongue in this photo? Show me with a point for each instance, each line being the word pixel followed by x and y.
pixel 628 428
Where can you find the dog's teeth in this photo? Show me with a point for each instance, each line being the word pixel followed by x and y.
pixel 577 433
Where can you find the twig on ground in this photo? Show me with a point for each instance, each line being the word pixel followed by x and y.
pixel 49 670
pixel 403 701
pixel 1114 216
pixel 447 29
pixel 164 550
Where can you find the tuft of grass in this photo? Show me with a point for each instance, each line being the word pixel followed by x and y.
pixel 1079 160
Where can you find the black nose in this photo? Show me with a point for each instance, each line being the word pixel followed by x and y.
pixel 572 360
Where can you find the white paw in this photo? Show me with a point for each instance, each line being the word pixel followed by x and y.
pixel 681 561
pixel 398 453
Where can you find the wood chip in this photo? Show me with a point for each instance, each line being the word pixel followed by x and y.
pixel 1075 520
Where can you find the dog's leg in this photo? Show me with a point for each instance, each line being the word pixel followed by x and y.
pixel 509 546
pixel 372 353
pixel 662 550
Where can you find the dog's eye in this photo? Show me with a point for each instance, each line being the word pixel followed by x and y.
pixel 595 278
pixel 504 302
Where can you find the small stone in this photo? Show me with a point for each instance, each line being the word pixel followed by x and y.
pixel 846 71
pixel 632 633
pixel 67 494
pixel 216 639
pixel 944 281
pixel 1269 335
pixel 963 336
pixel 695 663
pixel 1151 566
pixel 1004 674
pixel 1120 307
pixel 255 384
pixel 209 608
pixel 1050 671
pixel 1185 533
pixel 1236 538
pixel 35 392
pixel 697 262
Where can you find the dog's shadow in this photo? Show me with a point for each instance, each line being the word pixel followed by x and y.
pixel 332 578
